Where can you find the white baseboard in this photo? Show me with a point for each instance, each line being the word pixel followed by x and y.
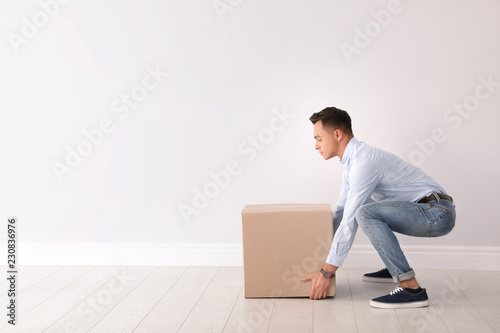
pixel 132 254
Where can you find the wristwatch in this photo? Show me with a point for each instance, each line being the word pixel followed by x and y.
pixel 327 274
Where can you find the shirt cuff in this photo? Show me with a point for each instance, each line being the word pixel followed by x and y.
pixel 334 259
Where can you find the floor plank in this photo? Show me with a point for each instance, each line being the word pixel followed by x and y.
pixel 451 305
pixel 214 307
pixel 473 285
pixel 335 314
pixel 480 293
pixel 126 315
pixel 291 315
pixel 80 311
pixel 176 304
pixel 37 294
pixel 211 299
pixel 53 308
pixel 250 315
pixel 370 319
pixel 27 277
pixel 493 278
pixel 20 271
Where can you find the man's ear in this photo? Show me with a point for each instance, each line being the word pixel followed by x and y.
pixel 338 134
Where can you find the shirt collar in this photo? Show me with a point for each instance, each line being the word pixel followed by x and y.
pixel 349 150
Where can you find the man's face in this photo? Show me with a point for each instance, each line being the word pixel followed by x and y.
pixel 327 141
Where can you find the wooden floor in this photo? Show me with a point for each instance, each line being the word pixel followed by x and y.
pixel 210 299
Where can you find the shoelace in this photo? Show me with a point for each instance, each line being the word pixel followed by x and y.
pixel 397 290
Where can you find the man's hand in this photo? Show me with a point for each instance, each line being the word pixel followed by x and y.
pixel 320 285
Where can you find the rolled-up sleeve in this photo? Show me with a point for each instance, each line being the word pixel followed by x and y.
pixel 362 179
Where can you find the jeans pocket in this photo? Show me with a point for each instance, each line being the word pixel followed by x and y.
pixel 449 209
pixel 426 206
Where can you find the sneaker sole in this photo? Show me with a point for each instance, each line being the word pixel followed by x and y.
pixel 375 279
pixel 380 305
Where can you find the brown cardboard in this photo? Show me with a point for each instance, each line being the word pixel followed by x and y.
pixel 281 244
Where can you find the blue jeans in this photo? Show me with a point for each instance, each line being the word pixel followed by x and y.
pixel 379 221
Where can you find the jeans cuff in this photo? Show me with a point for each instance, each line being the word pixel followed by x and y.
pixel 404 276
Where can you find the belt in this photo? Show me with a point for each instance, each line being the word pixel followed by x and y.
pixel 433 197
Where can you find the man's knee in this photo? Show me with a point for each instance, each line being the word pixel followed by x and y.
pixel 441 229
pixel 361 214
pixel 366 213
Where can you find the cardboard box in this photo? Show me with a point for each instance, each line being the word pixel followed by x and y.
pixel 281 244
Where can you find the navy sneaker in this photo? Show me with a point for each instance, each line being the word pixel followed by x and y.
pixel 381 276
pixel 400 298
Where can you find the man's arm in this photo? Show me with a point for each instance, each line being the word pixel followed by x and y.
pixel 339 210
pixel 363 178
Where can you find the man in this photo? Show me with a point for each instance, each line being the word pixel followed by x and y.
pixel 382 194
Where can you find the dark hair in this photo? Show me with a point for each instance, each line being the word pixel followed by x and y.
pixel 333 118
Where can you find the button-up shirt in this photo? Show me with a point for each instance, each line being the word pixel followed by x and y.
pixel 371 174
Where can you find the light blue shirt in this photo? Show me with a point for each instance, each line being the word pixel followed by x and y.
pixel 371 174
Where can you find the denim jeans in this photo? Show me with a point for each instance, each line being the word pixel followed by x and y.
pixel 379 221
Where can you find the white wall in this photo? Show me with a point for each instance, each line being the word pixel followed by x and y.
pixel 229 70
